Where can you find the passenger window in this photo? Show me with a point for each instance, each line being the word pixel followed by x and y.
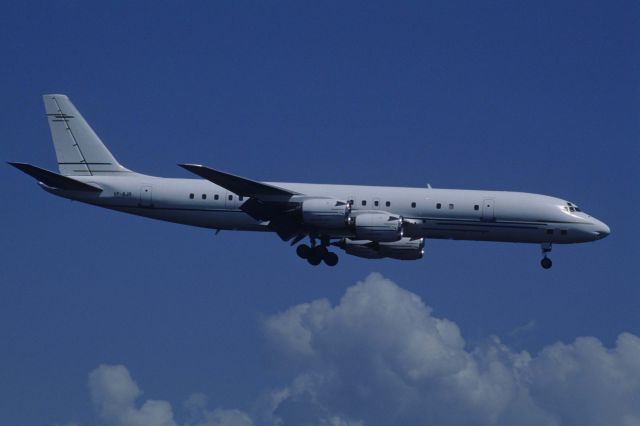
pixel 364 202
pixel 438 206
pixel 240 198
pixel 204 196
pixel 550 231
pixel 215 197
pixel 413 205
pixel 563 232
pixel 191 196
pixel 476 207
pixel 451 206
pixel 230 197
pixel 375 203
pixel 388 204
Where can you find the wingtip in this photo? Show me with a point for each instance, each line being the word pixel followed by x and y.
pixel 16 164
pixel 190 166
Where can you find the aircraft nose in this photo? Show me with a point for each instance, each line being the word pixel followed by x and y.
pixel 601 230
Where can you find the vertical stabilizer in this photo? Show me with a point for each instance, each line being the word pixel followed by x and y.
pixel 79 150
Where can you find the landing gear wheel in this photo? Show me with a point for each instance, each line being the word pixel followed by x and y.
pixel 316 254
pixel 303 251
pixel 314 259
pixel 331 259
pixel 546 249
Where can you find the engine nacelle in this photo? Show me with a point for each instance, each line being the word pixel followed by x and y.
pixel 405 249
pixel 325 213
pixel 379 227
pixel 360 248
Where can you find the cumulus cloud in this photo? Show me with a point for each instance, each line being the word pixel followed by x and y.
pixel 199 415
pixel 586 383
pixel 114 395
pixel 380 357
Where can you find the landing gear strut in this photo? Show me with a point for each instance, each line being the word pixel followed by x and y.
pixel 317 253
pixel 546 263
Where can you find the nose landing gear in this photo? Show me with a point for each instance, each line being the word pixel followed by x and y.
pixel 546 263
pixel 316 254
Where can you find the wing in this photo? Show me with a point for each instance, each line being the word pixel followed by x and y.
pixel 266 202
pixel 239 185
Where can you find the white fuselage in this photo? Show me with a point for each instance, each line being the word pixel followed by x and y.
pixel 428 213
pixel 372 222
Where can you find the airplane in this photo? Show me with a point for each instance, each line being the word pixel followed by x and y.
pixel 372 222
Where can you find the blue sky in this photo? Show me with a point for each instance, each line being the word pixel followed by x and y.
pixel 540 97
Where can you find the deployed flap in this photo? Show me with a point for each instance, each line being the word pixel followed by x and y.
pixel 283 218
pixel 55 180
pixel 285 227
pixel 239 185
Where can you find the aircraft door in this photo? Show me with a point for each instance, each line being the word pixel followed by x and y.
pixel 351 200
pixel 146 196
pixel 230 200
pixel 488 210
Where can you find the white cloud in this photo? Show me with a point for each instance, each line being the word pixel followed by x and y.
pixel 221 417
pixel 114 394
pixel 380 357
pixel 199 415
pixel 586 383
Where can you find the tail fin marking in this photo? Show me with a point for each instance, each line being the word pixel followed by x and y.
pixel 79 150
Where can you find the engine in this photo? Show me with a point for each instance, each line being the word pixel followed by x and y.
pixel 360 248
pixel 380 227
pixel 404 249
pixel 326 213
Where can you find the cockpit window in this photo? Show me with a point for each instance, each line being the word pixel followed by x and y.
pixel 571 208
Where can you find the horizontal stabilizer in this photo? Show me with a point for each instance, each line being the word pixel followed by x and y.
pixel 54 180
pixel 239 185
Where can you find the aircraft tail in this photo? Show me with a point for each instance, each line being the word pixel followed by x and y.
pixel 79 150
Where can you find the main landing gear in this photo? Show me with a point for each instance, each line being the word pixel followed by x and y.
pixel 316 254
pixel 546 263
